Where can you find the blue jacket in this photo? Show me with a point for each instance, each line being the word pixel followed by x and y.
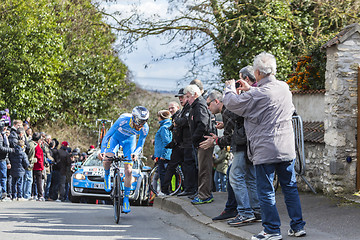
pixel 19 161
pixel 162 138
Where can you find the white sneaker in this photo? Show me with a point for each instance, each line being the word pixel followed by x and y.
pixel 6 199
pixel 22 199
pixel 267 236
pixel 298 233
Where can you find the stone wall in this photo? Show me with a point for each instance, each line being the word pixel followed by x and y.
pixel 340 122
pixel 316 168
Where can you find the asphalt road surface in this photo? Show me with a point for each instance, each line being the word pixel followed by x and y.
pixel 56 220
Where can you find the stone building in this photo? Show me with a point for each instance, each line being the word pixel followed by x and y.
pixel 332 160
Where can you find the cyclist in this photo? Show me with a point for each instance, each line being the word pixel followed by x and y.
pixel 123 133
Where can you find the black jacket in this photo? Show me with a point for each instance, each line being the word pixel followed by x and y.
pixel 4 147
pixel 64 161
pixel 200 121
pixel 13 137
pixel 19 162
pixel 182 125
pixel 231 122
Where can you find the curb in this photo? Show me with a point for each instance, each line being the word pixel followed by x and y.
pixel 177 205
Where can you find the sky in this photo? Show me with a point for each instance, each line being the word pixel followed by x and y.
pixel 158 76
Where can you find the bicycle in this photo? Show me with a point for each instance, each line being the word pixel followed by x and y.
pixel 102 129
pixel 117 194
pixel 175 185
pixel 300 166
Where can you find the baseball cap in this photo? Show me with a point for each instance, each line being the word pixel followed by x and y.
pixel 180 93
pixel 64 143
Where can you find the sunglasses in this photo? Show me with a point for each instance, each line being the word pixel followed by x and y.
pixel 210 102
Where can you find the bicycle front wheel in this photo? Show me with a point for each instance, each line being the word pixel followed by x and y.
pixel 117 198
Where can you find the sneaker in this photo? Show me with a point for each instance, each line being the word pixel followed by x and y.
pixel 298 233
pixel 267 236
pixel 107 184
pixel 22 199
pixel 197 200
pixel 41 199
pixel 257 216
pixel 192 197
pixel 126 205
pixel 225 215
pixel 240 220
pixel 6 199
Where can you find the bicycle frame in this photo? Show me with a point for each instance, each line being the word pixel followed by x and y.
pixel 102 129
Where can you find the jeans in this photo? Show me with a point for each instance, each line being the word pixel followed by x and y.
pixel 287 177
pixel 3 176
pixel 220 181
pixel 243 181
pixel 231 203
pixel 47 186
pixel 17 187
pixel 27 183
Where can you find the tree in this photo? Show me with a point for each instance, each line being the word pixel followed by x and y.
pixel 234 31
pixel 57 61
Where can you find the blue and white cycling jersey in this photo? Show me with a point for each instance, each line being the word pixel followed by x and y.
pixel 122 133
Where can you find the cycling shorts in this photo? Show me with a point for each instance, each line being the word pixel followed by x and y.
pixel 128 144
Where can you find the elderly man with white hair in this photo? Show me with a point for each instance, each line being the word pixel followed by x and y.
pixel 268 110
pixel 201 126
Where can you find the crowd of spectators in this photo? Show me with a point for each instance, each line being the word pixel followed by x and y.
pixel 254 113
pixel 32 164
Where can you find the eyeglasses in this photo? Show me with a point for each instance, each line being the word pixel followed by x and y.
pixel 210 102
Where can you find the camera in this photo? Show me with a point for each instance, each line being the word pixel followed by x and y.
pixel 237 84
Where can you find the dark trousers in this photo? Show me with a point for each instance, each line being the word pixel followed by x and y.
pixel 231 204
pixel 190 171
pixel 55 184
pixel 162 164
pixel 38 182
pixel 177 157
pixel 205 179
pixel 17 186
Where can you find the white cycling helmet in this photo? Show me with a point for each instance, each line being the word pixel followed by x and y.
pixel 140 115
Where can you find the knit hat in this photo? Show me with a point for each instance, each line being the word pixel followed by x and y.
pixel 164 114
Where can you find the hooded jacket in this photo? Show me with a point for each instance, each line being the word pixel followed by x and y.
pixel 162 138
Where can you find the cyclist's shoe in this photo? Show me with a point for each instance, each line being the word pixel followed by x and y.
pixel 107 183
pixel 126 205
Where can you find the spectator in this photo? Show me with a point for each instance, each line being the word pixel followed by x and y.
pixel 162 138
pixel 221 161
pixel 29 133
pixel 48 160
pixel 184 142
pixel 14 137
pixel 241 174
pixel 200 126
pixel 176 157
pixel 38 166
pixel 28 176
pixel 64 164
pixel 7 116
pixel 19 162
pixel 268 110
pixel 4 160
pixel 91 150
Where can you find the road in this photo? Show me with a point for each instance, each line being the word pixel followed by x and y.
pixel 56 220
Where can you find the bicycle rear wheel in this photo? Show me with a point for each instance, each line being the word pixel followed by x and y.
pixel 117 196
pixel 176 181
pixel 175 185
